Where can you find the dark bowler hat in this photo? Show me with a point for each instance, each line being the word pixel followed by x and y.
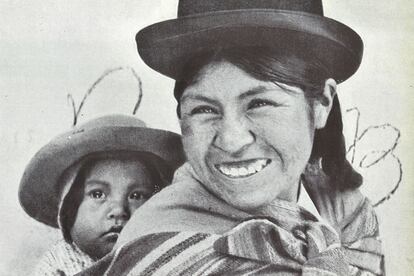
pixel 204 25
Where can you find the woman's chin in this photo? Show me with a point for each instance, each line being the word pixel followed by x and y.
pixel 249 201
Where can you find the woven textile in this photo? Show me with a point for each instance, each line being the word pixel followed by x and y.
pixel 63 259
pixel 185 230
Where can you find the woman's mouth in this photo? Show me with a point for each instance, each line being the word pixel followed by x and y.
pixel 242 169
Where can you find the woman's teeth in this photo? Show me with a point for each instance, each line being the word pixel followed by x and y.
pixel 242 169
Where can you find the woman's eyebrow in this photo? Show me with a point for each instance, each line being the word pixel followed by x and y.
pixel 254 91
pixel 199 98
pixel 263 89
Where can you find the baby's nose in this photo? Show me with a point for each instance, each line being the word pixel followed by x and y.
pixel 119 210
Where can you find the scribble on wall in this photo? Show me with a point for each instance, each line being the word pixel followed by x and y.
pixel 106 73
pixel 365 159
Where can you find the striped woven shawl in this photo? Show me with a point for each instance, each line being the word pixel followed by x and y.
pixel 185 230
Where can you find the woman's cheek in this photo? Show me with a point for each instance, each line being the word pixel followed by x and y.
pixel 198 129
pixel 186 127
pixel 191 137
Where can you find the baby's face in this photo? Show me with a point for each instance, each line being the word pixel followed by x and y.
pixel 113 190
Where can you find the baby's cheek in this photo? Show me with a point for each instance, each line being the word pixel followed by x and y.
pixel 92 209
pixel 136 206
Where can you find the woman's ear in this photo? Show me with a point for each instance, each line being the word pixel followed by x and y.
pixel 323 104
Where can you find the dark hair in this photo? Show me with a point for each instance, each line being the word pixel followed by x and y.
pixel 295 68
pixel 160 174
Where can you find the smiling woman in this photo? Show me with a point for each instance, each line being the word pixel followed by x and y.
pixel 248 141
pixel 262 128
pixel 264 120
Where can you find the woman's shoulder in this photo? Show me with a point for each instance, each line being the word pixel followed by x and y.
pixel 185 205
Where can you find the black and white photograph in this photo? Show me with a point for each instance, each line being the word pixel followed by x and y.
pixel 207 137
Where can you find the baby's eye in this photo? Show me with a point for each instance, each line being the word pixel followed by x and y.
pixel 204 109
pixel 138 196
pixel 97 194
pixel 256 103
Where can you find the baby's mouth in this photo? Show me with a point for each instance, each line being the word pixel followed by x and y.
pixel 242 169
pixel 113 233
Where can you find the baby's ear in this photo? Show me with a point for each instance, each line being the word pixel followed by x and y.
pixel 323 104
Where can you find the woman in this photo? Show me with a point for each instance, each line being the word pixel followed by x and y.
pixel 256 91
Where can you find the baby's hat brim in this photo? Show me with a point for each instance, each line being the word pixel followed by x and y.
pixel 40 187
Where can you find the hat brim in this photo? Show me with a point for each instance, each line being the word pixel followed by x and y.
pixel 39 191
pixel 167 46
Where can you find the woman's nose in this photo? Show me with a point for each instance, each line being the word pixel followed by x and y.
pixel 119 210
pixel 233 135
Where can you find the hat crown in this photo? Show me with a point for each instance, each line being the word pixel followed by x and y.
pixel 191 7
pixel 113 120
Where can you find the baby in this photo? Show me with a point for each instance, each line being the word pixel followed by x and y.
pixel 90 180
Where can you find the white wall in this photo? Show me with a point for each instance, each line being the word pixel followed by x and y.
pixel 51 48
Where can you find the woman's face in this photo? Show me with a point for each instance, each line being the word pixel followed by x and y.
pixel 248 140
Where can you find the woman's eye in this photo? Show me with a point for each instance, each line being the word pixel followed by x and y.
pixel 260 103
pixel 204 109
pixel 137 196
pixel 97 194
